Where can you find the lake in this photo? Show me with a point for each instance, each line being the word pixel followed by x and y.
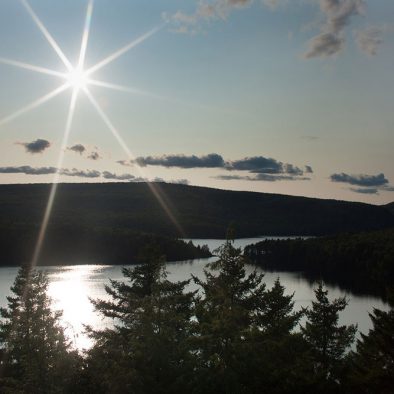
pixel 72 286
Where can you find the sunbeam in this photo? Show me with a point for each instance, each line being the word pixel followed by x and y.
pixel 126 89
pixel 47 35
pixel 31 67
pixel 156 192
pixel 85 36
pixel 34 104
pixel 52 194
pixel 78 79
pixel 123 50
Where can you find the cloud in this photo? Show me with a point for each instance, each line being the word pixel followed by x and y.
pixel 263 165
pixel 337 15
pixel 273 4
pixel 261 177
pixel 121 177
pixel 125 163
pixel 218 9
pixel 360 180
pixel 293 170
pixel 78 148
pixel 28 170
pixel 260 166
pixel 211 160
pixel 80 173
pixel 371 190
pixel 94 156
pixel 369 40
pixel 324 45
pixel 257 164
pixel 308 170
pixel 37 146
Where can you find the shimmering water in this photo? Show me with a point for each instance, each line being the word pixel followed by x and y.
pixel 72 286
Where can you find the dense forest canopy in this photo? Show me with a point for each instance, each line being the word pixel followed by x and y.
pixel 233 336
pixel 363 262
pixel 200 212
pixel 70 244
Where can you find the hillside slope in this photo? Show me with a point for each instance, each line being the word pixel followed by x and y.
pixel 199 212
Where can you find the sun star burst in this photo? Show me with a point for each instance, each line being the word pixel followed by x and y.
pixel 78 79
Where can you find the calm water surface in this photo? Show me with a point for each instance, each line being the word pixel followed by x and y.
pixel 72 286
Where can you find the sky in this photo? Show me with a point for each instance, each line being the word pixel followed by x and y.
pixel 288 96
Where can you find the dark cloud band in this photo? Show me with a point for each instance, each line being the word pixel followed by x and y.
pixel 360 180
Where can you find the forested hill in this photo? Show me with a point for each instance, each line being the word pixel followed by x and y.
pixel 200 212
pixel 390 207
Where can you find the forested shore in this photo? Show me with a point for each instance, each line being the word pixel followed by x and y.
pixel 361 262
pixel 70 245
pixel 233 335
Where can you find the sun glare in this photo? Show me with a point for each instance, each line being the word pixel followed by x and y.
pixel 77 79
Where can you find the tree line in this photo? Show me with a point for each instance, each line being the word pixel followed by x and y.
pixel 70 244
pixel 362 262
pixel 232 335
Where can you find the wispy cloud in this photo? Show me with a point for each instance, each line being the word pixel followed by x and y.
pixel 37 146
pixel 369 39
pixel 261 177
pixel 206 11
pixel 337 15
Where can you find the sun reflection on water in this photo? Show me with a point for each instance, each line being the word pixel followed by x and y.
pixel 70 288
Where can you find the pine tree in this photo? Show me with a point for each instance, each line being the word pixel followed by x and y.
pixel 225 314
pixel 328 341
pixel 36 354
pixel 146 350
pixel 278 354
pixel 373 363
pixel 276 316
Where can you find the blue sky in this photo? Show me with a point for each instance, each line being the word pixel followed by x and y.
pixel 268 87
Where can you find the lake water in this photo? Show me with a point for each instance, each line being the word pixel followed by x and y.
pixel 71 287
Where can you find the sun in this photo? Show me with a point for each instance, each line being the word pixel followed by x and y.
pixel 77 79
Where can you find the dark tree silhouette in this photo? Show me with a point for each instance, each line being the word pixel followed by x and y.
pixel 328 340
pixel 36 354
pixel 373 363
pixel 146 350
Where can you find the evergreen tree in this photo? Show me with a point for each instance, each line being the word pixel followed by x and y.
pixel 276 315
pixel 328 341
pixel 225 314
pixel 373 363
pixel 146 350
pixel 36 354
pixel 277 355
